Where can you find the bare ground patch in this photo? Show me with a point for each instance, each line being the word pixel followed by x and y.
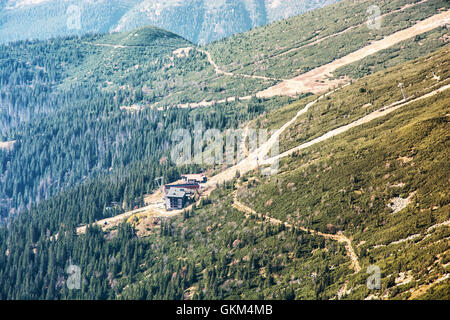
pixel 320 79
pixel 8 145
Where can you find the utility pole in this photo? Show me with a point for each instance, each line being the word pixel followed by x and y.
pixel 160 181
pixel 400 85
pixel 437 78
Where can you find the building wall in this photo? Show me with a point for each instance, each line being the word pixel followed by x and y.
pixel 175 203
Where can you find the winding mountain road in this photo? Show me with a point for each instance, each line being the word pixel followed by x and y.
pixel 256 158
pixel 340 237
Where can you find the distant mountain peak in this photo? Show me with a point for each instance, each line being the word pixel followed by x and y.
pixel 142 36
pixel 200 21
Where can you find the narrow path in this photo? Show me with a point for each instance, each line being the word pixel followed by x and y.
pixel 340 237
pixel 320 80
pixel 423 235
pixel 371 116
pixel 317 41
pixel 424 288
pixel 255 159
pixel 114 46
pixel 219 71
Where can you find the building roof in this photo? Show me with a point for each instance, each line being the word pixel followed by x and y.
pixel 199 176
pixel 176 193
pixel 183 185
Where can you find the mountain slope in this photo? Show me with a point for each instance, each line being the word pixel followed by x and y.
pixel 297 45
pixel 79 105
pixel 380 188
pixel 86 134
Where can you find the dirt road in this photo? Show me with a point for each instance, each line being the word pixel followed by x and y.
pixel 320 80
pixel 314 42
pixel 155 208
pixel 336 237
pixel 219 71
pixel 256 158
pixel 317 80
pixel 8 145
pixel 371 116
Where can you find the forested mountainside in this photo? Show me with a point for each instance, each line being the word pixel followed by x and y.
pixel 69 109
pixel 200 21
pixel 86 128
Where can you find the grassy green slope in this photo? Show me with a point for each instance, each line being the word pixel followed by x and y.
pixel 367 95
pixel 142 61
pixel 144 36
pixel 345 184
pixel 351 196
pixel 349 182
pixel 264 45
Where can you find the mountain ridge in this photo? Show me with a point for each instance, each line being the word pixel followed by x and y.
pixel 199 21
